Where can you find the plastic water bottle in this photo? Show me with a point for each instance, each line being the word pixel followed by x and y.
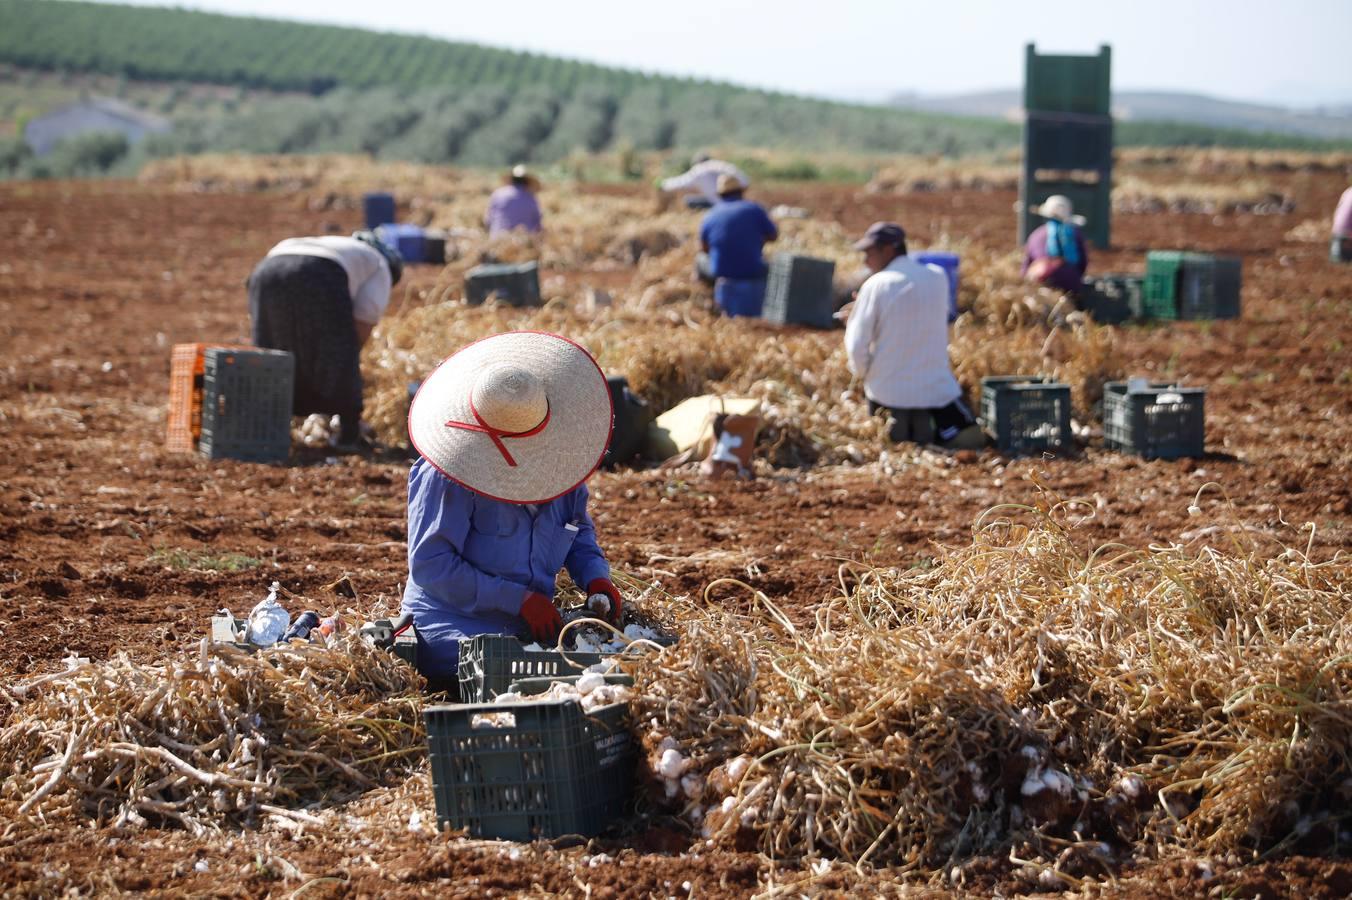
pixel 269 620
pixel 301 628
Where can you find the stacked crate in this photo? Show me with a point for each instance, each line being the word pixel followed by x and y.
pixel 529 771
pixel 187 372
pixel 1068 138
pixel 246 404
pixel 798 291
pixel 1183 285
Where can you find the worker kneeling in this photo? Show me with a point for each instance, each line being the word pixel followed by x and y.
pixel 508 430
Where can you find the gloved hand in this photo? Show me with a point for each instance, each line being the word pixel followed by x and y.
pixel 605 586
pixel 542 617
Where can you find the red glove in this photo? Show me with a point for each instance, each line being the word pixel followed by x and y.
pixel 605 586
pixel 542 617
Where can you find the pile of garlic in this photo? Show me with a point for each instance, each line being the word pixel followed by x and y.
pixel 590 690
pixel 318 430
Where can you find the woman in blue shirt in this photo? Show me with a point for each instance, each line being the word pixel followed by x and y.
pixel 508 430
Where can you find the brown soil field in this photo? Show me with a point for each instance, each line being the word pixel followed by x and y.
pixel 96 517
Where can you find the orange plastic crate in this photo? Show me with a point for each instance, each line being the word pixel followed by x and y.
pixel 187 367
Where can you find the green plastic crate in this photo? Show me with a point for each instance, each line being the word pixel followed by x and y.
pixel 489 663
pixel 1026 413
pixel 529 686
pixel 1068 141
pixel 1068 84
pixel 1156 420
pixel 527 771
pixel 1163 271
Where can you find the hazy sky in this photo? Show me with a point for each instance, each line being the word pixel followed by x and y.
pixel 1298 52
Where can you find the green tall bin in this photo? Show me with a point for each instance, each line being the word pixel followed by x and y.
pixel 1068 84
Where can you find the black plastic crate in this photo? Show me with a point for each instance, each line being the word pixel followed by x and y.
pixel 1026 413
pixel 489 663
pixel 1113 298
pixel 246 404
pixel 516 284
pixel 1209 287
pixel 1156 420
pixel 526 771
pixel 798 291
pixel 1067 141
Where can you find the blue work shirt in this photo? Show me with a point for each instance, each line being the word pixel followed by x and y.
pixel 735 231
pixel 472 560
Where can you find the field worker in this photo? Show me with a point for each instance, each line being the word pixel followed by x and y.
pixel 1055 254
pixel 700 181
pixel 513 206
pixel 733 234
pixel 896 340
pixel 508 430
pixel 319 298
pixel 1341 250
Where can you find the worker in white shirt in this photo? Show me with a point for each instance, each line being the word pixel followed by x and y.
pixel 700 181
pixel 896 339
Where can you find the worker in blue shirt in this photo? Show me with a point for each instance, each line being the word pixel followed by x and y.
pixel 508 430
pixel 733 233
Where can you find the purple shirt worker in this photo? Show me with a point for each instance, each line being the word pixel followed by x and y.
pixel 513 206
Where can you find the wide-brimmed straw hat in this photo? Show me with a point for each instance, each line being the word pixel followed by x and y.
pixel 1058 207
pixel 523 416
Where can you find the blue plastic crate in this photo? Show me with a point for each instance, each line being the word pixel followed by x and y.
pixel 246 404
pixel 527 771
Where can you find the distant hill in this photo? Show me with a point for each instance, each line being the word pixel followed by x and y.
pixel 300 88
pixel 1328 123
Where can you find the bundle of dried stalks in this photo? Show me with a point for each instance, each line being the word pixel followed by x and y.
pixel 223 736
pixel 1072 710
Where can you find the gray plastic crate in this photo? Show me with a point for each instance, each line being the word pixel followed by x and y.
pixel 1113 298
pixel 526 771
pixel 1156 420
pixel 489 663
pixel 1026 413
pixel 798 291
pixel 516 284
pixel 246 404
pixel 1340 250
pixel 1209 287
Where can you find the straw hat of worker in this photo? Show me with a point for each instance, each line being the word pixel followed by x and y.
pixel 520 173
pixel 523 416
pixel 1058 207
pixel 729 184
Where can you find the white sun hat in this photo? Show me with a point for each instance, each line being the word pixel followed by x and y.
pixel 523 416
pixel 1058 207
